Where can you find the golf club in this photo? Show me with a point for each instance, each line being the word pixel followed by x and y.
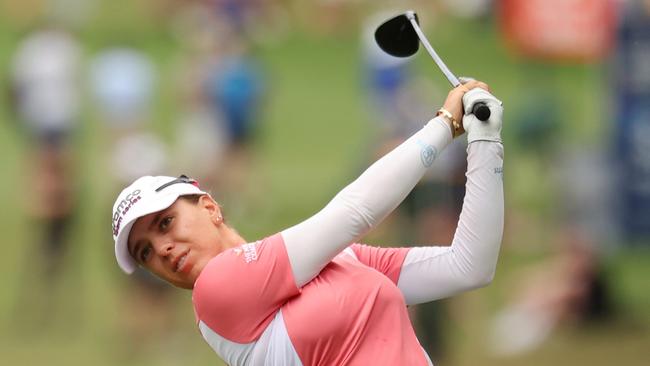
pixel 400 36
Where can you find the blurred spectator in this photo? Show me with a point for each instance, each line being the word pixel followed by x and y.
pixel 585 195
pixel 46 99
pixel 395 97
pixel 122 81
pixel 569 289
pixel 535 129
pixel 201 137
pixel 45 85
pixel 232 84
pixel 235 89
pixel 536 120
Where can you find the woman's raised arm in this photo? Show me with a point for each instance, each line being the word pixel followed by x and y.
pixel 364 203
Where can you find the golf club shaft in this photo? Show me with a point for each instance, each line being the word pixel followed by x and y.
pixel 480 109
pixel 445 70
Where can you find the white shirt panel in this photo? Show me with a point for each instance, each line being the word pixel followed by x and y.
pixel 274 347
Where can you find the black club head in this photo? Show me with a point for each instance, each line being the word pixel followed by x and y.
pixel 397 37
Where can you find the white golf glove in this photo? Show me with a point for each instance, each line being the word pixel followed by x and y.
pixel 489 130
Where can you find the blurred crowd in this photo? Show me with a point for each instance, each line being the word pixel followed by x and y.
pixel 56 87
pixel 220 91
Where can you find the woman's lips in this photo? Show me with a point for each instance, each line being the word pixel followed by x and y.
pixel 183 265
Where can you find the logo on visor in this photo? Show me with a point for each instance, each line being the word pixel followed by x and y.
pixel 122 208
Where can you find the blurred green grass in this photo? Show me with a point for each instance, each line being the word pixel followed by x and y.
pixel 313 140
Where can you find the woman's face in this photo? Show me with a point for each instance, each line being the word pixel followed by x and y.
pixel 175 244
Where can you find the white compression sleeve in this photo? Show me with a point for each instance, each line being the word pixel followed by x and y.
pixel 360 206
pixel 431 273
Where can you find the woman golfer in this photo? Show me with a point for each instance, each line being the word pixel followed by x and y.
pixel 310 295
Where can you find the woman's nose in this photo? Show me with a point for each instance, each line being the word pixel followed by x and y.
pixel 164 248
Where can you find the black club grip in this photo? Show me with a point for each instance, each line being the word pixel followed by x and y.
pixel 481 111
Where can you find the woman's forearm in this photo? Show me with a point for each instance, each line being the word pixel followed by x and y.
pixel 364 203
pixel 431 273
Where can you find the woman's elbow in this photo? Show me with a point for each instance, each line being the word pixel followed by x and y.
pixel 484 279
pixel 478 278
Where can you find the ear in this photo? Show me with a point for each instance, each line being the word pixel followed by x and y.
pixel 213 209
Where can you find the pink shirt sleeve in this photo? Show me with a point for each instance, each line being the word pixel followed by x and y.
pixel 385 260
pixel 239 291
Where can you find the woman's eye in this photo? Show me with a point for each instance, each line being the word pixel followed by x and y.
pixel 145 253
pixel 164 223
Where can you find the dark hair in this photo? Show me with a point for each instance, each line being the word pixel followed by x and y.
pixel 192 198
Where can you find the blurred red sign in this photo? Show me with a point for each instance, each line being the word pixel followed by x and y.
pixel 581 30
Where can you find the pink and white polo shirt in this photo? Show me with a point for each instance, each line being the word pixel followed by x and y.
pixel 251 312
